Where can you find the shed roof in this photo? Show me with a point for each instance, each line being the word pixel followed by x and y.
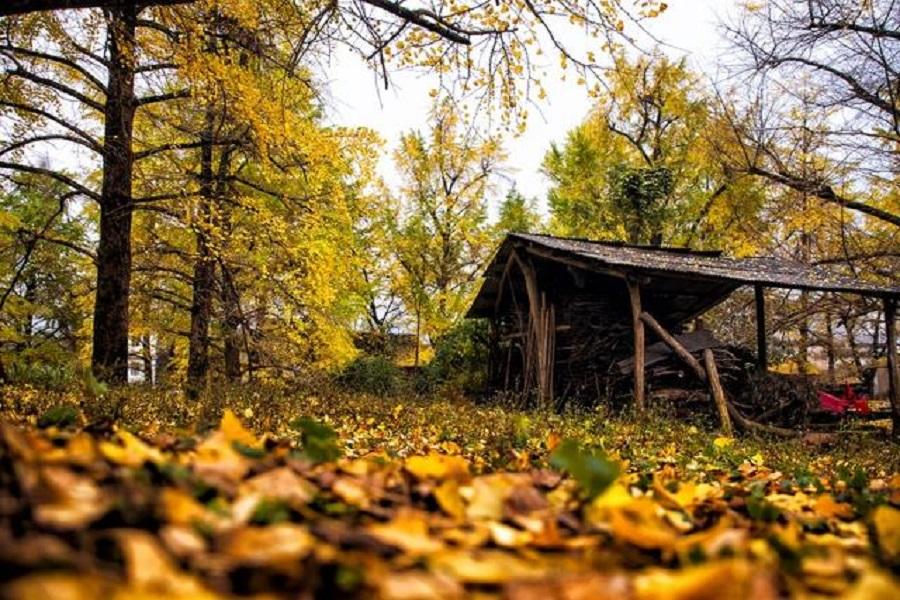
pixel 675 263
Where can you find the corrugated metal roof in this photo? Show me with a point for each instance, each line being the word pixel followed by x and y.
pixel 681 263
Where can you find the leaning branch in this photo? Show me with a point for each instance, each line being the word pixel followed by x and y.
pixel 424 19
pixel 52 175
pixel 824 192
pixel 19 7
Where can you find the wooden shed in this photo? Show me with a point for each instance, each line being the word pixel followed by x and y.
pixel 564 310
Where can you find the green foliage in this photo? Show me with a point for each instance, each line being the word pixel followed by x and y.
pixel 646 165
pixel 373 375
pixel 639 195
pixel 46 375
pixel 320 442
pixel 93 387
pixel 758 507
pixel 270 511
pixel 441 236
pixel 59 416
pixel 460 359
pixel 248 451
pixel 517 214
pixel 590 467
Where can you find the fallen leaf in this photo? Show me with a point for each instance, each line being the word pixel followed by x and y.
pixel 419 585
pixel 131 451
pixel 278 545
pixel 886 527
pixel 74 500
pixel 438 466
pixel 408 530
pixel 448 498
pixel 485 567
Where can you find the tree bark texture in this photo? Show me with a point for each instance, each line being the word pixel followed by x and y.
pixel 109 359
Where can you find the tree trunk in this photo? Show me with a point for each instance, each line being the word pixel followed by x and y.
pixel 204 271
pixel 893 368
pixel 832 354
pixel 147 359
pixel 109 360
pixel 164 356
pixel 232 338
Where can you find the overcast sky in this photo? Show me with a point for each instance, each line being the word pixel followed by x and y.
pixel 688 27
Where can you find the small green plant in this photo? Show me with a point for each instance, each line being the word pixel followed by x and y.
pixel 59 416
pixel 590 467
pixel 319 441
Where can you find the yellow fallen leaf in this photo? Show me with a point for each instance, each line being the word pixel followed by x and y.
pixel 216 457
pixel 826 506
pixel 723 442
pixel 179 508
pixel 234 431
pixel 448 498
pixel 81 450
pixel 509 537
pixel 874 585
pixel 58 586
pixel 486 567
pixel 73 501
pixel 418 585
pixel 488 493
pixel 438 466
pixel 132 452
pixel 726 580
pixel 352 491
pixel 639 525
pixel 614 497
pixel 886 525
pixel 408 530
pixel 150 570
pixel 273 545
pixel 281 484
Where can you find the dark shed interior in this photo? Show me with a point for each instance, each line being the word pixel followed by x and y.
pixel 565 312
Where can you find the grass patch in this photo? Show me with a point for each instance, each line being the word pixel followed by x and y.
pixel 491 436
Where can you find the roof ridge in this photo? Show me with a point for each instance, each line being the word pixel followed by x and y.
pixel 623 244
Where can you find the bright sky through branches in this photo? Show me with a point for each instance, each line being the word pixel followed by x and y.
pixel 356 98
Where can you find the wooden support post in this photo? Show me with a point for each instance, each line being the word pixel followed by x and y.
pixel 634 295
pixel 672 343
pixel 541 334
pixel 718 394
pixel 890 321
pixel 762 353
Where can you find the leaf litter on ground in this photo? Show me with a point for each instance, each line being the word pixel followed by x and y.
pixel 234 514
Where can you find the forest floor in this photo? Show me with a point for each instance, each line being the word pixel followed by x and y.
pixel 259 493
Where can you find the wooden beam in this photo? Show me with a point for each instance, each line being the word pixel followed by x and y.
pixel 762 352
pixel 634 295
pixel 675 345
pixel 541 333
pixel 718 394
pixel 574 262
pixel 890 321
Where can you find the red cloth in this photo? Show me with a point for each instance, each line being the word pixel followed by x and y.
pixel 849 401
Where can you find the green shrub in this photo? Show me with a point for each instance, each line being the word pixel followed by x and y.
pixel 372 375
pixel 41 374
pixel 460 359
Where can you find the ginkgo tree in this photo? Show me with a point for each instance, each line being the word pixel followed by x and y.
pixel 118 62
pixel 643 165
pixel 442 236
